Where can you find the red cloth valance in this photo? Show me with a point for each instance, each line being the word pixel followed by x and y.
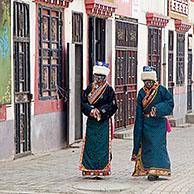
pixel 100 8
pixel 182 26
pixel 60 3
pixel 154 19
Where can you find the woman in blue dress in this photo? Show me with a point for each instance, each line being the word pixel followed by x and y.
pixel 154 102
pixel 98 104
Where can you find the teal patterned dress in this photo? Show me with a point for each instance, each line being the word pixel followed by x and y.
pixel 150 145
pixel 96 152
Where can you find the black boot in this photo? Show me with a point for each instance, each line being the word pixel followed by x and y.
pixel 152 177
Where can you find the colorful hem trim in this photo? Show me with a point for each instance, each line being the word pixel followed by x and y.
pixel 97 173
pixel 141 171
pixel 104 172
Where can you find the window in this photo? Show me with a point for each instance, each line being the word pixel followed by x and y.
pixel 180 59
pixel 77 28
pixel 154 49
pixel 97 39
pixel 50 52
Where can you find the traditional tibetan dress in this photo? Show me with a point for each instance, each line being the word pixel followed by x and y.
pixel 96 151
pixel 150 132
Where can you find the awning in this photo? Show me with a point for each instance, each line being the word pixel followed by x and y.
pixel 100 8
pixel 181 26
pixel 154 19
pixel 60 3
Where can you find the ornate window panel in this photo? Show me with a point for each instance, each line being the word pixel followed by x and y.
pixel 100 8
pixel 50 51
pixel 178 9
pixel 60 3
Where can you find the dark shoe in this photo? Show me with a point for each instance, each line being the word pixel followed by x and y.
pixel 152 177
pixel 97 178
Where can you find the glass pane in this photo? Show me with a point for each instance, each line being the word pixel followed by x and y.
pixel 45 53
pixel 54 29
pixel 45 28
pixel 53 78
pixel 45 79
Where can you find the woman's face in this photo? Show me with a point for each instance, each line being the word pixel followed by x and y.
pixel 148 83
pixel 98 78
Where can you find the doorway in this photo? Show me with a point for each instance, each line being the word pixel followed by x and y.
pixel 126 72
pixel 78 89
pixel 77 39
pixel 96 42
pixel 22 94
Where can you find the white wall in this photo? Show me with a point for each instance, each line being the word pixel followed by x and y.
pixel 75 6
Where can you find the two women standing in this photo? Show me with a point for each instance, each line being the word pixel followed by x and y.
pixel 154 102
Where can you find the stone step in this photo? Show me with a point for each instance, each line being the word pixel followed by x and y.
pixel 190 118
pixel 126 133
pixel 185 125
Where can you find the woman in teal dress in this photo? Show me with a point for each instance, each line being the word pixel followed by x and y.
pixel 154 102
pixel 98 104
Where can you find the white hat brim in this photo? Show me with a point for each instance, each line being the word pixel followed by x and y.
pixel 149 76
pixel 101 70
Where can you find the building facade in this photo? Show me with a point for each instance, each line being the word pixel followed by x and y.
pixel 48 49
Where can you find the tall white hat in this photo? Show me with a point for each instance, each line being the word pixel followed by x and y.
pixel 148 73
pixel 101 68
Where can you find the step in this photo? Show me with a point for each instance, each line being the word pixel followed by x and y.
pixel 190 118
pixel 124 134
pixel 185 125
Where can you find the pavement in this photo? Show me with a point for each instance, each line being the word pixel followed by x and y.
pixel 57 172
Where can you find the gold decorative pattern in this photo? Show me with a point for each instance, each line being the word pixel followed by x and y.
pixel 141 171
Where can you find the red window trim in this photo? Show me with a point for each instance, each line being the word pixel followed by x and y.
pixel 64 3
pixel 3 113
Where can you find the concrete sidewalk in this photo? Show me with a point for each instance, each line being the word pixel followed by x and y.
pixel 58 171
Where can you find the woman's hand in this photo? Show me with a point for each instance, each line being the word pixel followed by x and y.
pixel 96 114
pixel 153 112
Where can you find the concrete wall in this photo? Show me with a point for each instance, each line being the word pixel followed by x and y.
pixel 48 132
pixel 7 145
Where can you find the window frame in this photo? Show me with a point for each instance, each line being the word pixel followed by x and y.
pixel 180 59
pixel 58 77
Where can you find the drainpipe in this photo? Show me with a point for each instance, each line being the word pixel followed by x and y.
pixel 164 51
pixel 164 63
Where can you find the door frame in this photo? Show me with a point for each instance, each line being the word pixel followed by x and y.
pixel 22 100
pixel 125 79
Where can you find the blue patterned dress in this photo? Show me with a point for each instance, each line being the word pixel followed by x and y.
pixel 150 132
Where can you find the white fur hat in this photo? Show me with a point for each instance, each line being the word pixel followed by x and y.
pixel 101 68
pixel 148 73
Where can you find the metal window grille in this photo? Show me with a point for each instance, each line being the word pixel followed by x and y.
pixel 180 59
pixel 77 28
pixel 154 49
